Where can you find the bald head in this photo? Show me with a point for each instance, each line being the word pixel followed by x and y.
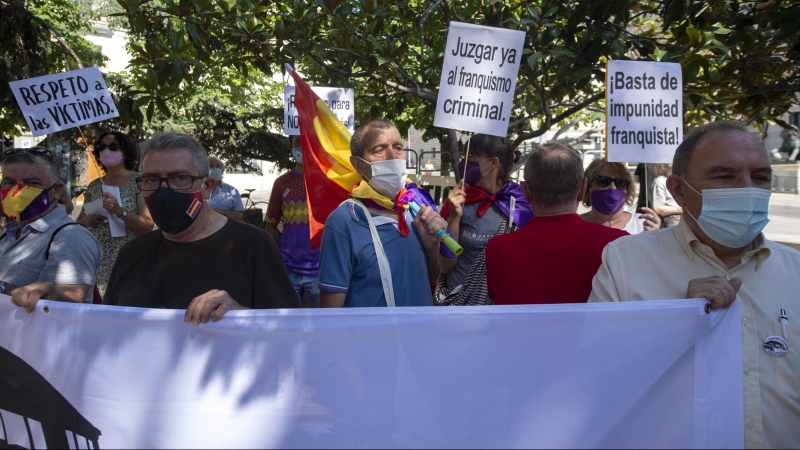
pixel 554 175
pixel 216 163
pixel 705 138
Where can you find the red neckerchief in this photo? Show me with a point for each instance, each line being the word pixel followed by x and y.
pixel 474 194
pixel 400 203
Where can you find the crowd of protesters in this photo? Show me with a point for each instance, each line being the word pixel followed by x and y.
pixel 697 235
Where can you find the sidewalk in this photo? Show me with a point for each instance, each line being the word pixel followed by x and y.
pixel 784 215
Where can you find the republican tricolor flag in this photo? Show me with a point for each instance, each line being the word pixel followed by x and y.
pixel 329 176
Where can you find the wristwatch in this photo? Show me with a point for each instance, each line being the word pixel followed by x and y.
pixel 2 287
pixel 124 214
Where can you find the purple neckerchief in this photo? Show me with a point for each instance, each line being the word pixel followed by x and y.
pixel 414 193
pixel 403 200
pixel 522 209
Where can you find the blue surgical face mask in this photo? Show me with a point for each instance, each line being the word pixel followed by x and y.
pixel 216 173
pixel 733 217
pixel 297 152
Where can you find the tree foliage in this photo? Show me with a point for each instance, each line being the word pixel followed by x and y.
pixel 38 37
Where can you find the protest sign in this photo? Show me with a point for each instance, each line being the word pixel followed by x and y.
pixel 64 100
pixel 341 102
pixel 614 375
pixel 479 76
pixel 644 111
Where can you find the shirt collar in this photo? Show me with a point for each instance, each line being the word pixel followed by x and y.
pixel 50 219
pixel 688 241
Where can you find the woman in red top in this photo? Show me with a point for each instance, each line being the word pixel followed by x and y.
pixel 487 205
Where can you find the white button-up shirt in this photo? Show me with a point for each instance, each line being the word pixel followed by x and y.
pixel 659 265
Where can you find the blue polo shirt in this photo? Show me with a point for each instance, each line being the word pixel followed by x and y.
pixel 348 263
pixel 226 198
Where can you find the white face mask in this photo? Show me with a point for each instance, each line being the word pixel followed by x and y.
pixel 297 152
pixel 388 177
pixel 733 217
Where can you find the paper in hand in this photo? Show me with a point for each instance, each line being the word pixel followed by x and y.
pixel 115 224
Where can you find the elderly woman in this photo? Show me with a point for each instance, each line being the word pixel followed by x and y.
pixel 609 188
pixel 117 157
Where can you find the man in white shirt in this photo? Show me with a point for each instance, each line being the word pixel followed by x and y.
pixel 722 179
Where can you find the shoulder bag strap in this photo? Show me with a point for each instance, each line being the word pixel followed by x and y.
pixel 53 236
pixel 383 261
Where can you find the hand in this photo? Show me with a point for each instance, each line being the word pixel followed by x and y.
pixel 457 198
pixel 428 223
pixel 27 296
pixel 211 305
pixel 110 204
pixel 720 291
pixel 93 220
pixel 648 224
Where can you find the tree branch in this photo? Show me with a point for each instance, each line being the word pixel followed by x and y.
pixel 542 130
pixel 60 40
pixel 776 87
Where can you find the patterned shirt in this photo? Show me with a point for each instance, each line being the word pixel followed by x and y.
pixel 288 204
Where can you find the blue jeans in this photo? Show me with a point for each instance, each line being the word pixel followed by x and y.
pixel 306 283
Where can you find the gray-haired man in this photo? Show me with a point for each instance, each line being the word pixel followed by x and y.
pixel 43 253
pixel 198 260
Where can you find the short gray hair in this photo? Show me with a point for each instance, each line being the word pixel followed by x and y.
pixel 176 141
pixel 680 162
pixel 356 145
pixel 51 166
pixel 554 172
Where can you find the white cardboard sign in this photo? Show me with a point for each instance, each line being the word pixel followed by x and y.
pixel 644 111
pixel 479 76
pixel 341 101
pixel 64 100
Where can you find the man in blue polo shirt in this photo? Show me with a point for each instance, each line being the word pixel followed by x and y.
pixel 351 271
pixel 225 199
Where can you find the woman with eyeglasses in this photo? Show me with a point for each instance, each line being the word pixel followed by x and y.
pixel 609 188
pixel 116 157
pixel 490 203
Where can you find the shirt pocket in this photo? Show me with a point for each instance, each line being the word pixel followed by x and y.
pixel 789 364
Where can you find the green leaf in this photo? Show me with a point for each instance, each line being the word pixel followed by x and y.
pixel 150 111
pixel 141 101
pixel 162 106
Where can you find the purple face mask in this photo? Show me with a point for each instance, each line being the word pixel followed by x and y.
pixel 472 173
pixel 608 201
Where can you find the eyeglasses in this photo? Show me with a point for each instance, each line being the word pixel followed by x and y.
pixel 174 182
pixel 102 146
pixel 35 151
pixel 604 182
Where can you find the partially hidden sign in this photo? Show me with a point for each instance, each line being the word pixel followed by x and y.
pixel 341 102
pixel 64 100
pixel 479 76
pixel 644 111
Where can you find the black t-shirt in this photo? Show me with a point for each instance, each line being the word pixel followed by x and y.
pixel 240 259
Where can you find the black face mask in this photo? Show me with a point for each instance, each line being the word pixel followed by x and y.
pixel 174 211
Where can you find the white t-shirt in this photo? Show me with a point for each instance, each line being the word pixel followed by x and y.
pixel 635 225
pixel 661 195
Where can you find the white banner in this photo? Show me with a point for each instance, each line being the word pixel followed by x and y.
pixel 638 374
pixel 644 111
pixel 479 76
pixel 341 101
pixel 64 100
